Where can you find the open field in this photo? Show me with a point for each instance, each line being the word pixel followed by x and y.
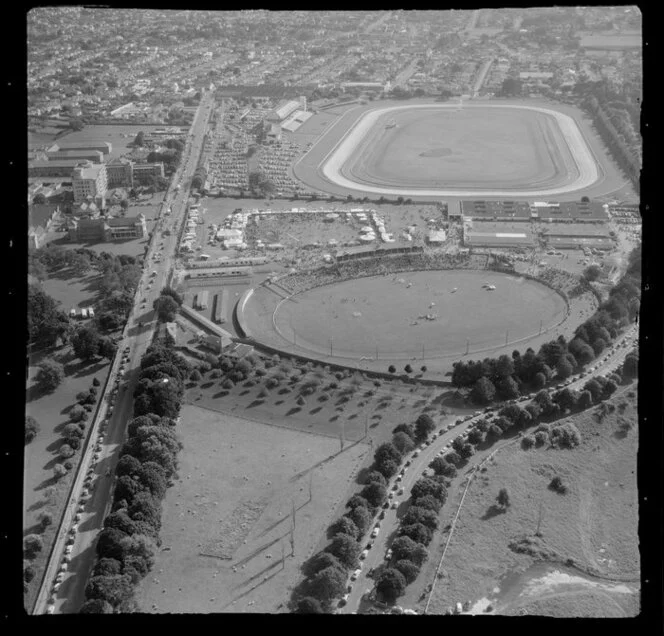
pixel 609 179
pixel 351 406
pixel 589 539
pixel 229 514
pixel 388 314
pixel 476 148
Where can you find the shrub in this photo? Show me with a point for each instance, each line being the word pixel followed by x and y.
pixel 45 520
pixel 88 409
pixel 59 471
pixel 375 477
pixel 66 451
pixel 28 572
pixel 309 605
pixel 541 437
pixel 195 375
pixel 527 442
pixel 68 465
pixel 31 428
pixel 77 413
pixel 95 382
pixel 565 436
pixel 227 384
pixel 392 369
pixel 32 544
pixel 558 486
pixel 215 373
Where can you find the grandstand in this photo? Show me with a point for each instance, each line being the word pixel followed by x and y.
pixel 294 121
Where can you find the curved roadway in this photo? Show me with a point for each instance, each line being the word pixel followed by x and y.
pixel 390 524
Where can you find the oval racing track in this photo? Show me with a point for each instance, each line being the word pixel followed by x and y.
pixel 331 167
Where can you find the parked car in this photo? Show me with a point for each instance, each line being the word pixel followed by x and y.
pixel 355 574
pixel 364 555
pixel 395 505
pixel 388 554
pixel 375 532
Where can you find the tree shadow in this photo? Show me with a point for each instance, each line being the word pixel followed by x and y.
pixel 334 418
pixel 37 505
pixel 279 402
pixel 207 385
pixel 315 410
pixel 352 416
pixel 295 409
pixel 220 394
pixel 49 481
pixel 493 511
pixel 256 403
pixel 245 392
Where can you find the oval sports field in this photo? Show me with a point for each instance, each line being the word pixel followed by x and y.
pixel 385 317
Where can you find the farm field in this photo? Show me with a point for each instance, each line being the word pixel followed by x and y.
pixel 228 515
pixel 589 542
pixel 388 314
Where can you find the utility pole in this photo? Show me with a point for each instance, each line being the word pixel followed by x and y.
pixel 539 521
pixel 507 333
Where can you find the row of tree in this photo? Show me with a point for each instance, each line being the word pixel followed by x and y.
pixel 417 527
pixel 506 377
pixel 327 571
pixel 148 461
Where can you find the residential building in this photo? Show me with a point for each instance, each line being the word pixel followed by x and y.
pixel 59 168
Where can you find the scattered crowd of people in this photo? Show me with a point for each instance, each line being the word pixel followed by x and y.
pixel 379 266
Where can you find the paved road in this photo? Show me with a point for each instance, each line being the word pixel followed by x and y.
pixel 137 337
pixel 390 524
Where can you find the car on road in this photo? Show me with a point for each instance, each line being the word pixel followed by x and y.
pixel 355 574
pixel 416 453
pixel 407 463
pixel 391 495
pixel 388 554
pixel 423 446
pixel 364 555
pixel 400 491
pixel 386 505
pixel 375 532
pixel 395 505
pixel 343 600
pixel 382 512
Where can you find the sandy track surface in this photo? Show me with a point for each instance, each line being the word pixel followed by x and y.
pixel 332 165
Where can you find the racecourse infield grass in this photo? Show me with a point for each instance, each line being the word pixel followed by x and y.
pixel 386 315
pixel 474 148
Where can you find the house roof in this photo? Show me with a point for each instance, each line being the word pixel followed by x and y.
pixel 40 215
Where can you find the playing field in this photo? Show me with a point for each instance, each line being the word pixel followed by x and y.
pixel 387 315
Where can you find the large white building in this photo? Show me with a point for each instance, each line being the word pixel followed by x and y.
pixel 89 180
